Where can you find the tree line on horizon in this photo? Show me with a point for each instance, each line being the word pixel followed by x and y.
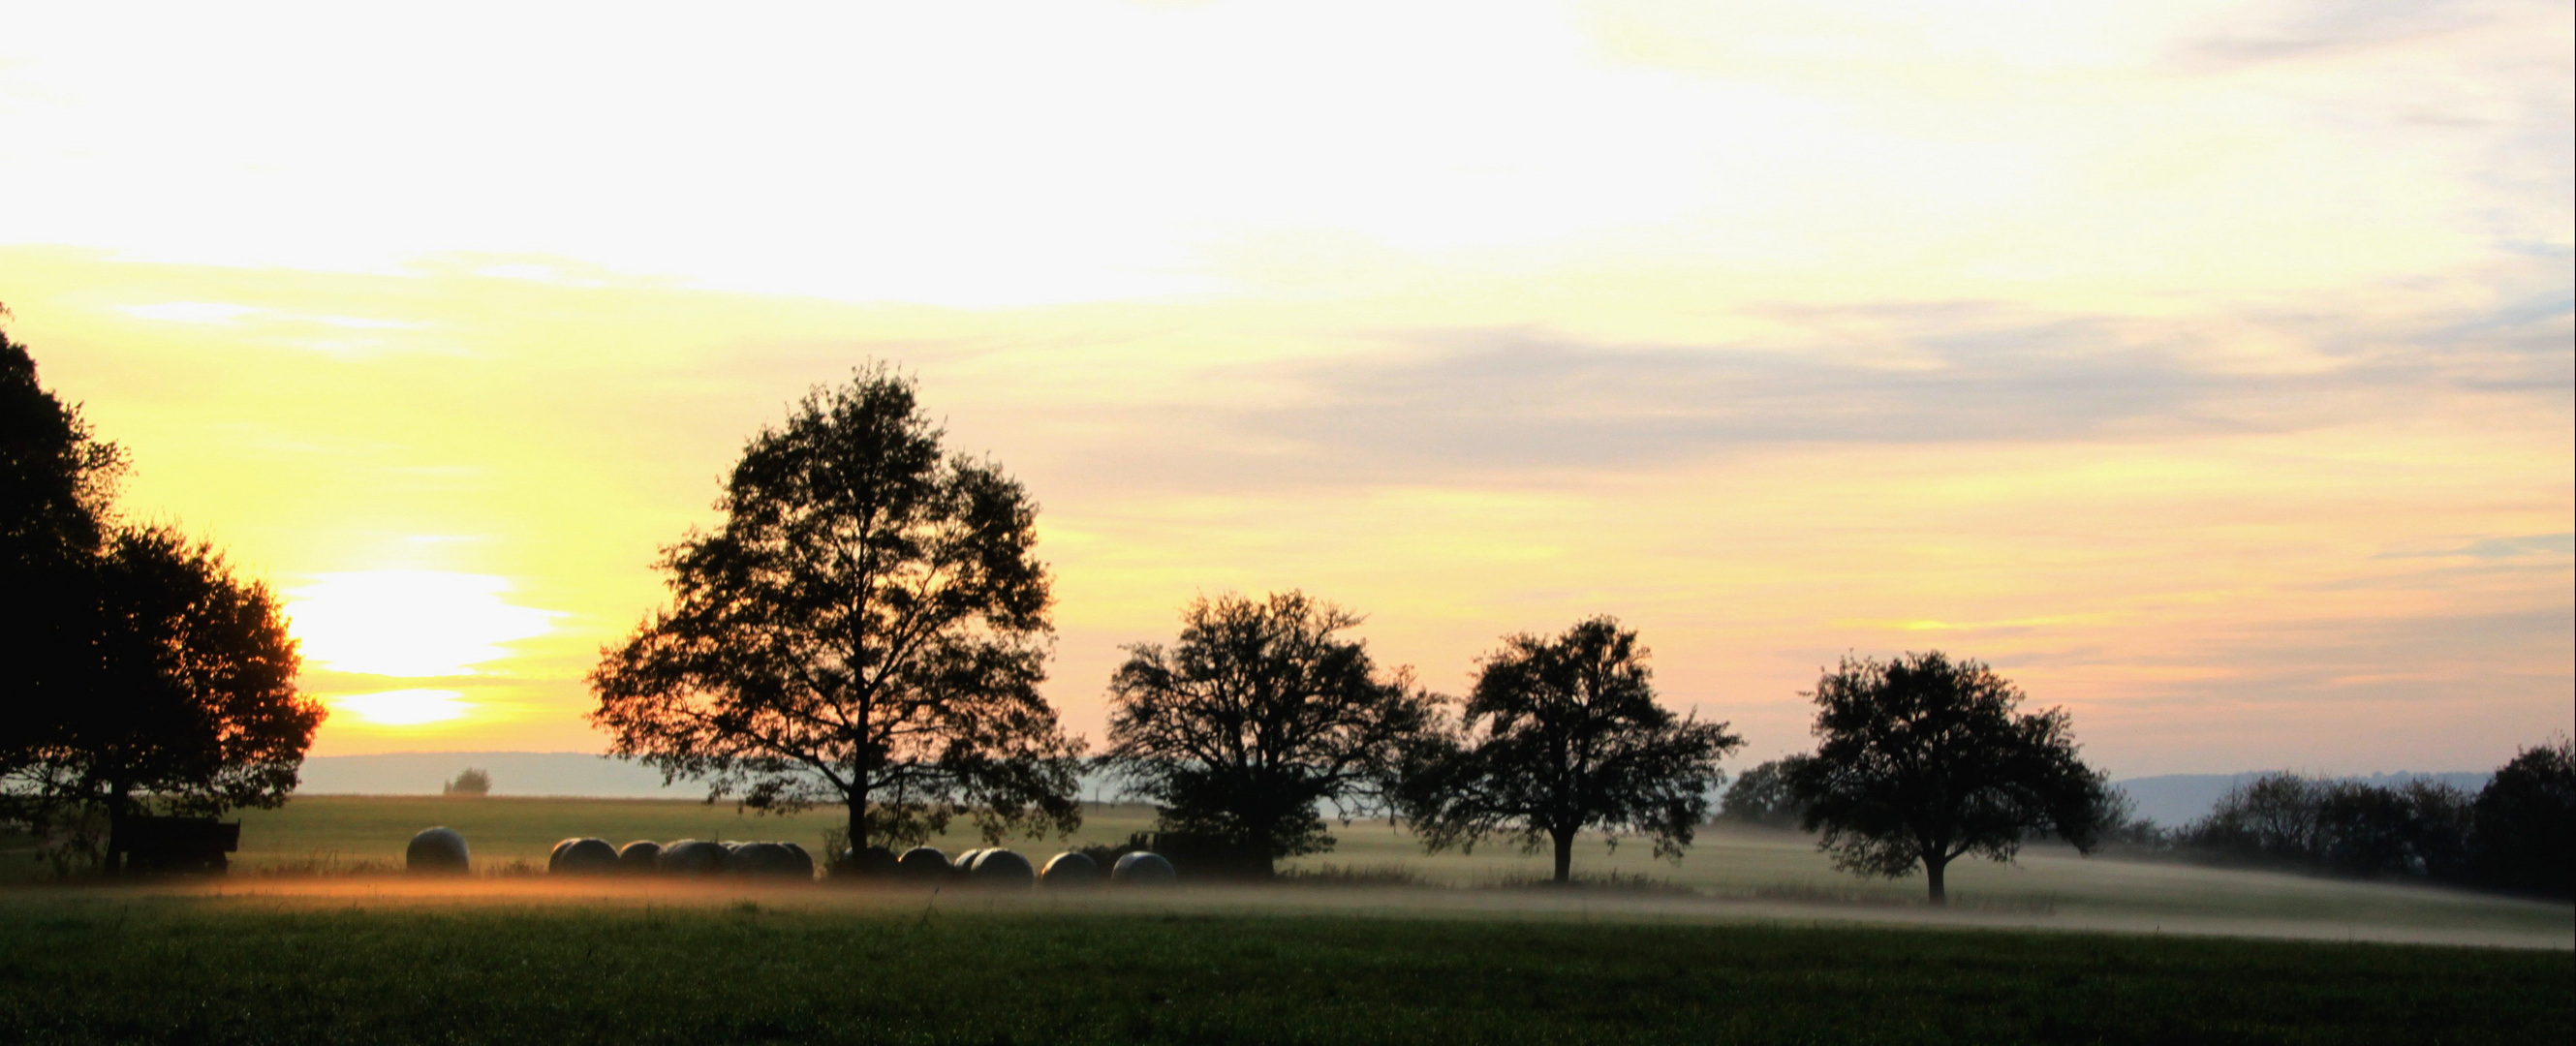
pixel 867 629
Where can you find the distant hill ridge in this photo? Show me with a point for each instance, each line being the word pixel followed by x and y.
pixel 2168 799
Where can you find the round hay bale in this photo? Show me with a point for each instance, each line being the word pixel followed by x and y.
pixel 764 859
pixel 437 851
pixel 641 857
pixel 1069 870
pixel 584 857
pixel 692 857
pixel 804 861
pixel 922 864
pixel 554 860
pixel 965 862
pixel 999 869
pixel 875 862
pixel 1142 869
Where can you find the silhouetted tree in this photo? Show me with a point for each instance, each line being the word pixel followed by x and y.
pixel 1260 714
pixel 1563 734
pixel 143 675
pixel 56 482
pixel 2417 829
pixel 2525 822
pixel 1923 760
pixel 867 628
pixel 1761 796
pixel 471 782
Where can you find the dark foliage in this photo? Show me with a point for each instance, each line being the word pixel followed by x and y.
pixel 2525 822
pixel 1924 760
pixel 1256 718
pixel 867 628
pixel 2513 835
pixel 1561 735
pixel 144 675
pixel 1761 796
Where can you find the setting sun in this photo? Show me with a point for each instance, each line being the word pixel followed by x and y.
pixel 409 623
pixel 404 707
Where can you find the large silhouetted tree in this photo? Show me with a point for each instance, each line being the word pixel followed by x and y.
pixel 1563 734
pixel 1258 716
pixel 1924 760
pixel 143 675
pixel 868 628
pixel 2525 822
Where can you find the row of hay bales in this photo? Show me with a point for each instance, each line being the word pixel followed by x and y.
pixel 443 850
pixel 685 857
pixel 996 867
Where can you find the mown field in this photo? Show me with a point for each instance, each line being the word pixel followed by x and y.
pixel 1730 874
pixel 97 965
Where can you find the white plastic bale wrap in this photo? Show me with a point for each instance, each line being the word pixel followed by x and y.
pixel 804 860
pixel 584 857
pixel 641 857
pixel 437 851
pixel 922 864
pixel 1142 869
pixel 1069 870
pixel 1000 869
pixel 766 860
pixel 692 857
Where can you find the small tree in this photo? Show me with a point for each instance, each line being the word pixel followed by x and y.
pixel 470 783
pixel 868 628
pixel 1924 760
pixel 1260 714
pixel 1562 735
pixel 1761 796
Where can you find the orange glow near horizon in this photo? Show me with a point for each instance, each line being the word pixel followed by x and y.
pixel 2205 366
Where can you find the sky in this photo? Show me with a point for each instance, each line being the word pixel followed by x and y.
pixel 2207 368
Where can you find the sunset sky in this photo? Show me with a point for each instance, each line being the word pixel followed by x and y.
pixel 2206 367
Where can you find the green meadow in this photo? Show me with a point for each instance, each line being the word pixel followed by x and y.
pixel 95 965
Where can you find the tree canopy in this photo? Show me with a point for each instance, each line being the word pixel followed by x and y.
pixel 1923 760
pixel 1561 735
pixel 868 627
pixel 2525 821
pixel 146 676
pixel 1260 714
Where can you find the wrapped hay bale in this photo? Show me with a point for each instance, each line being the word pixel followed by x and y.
pixel 922 864
pixel 1069 870
pixel 641 857
pixel 437 851
pixel 692 857
pixel 583 857
pixel 999 869
pixel 1142 869
pixel 870 863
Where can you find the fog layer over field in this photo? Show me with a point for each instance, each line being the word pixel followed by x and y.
pixel 1728 875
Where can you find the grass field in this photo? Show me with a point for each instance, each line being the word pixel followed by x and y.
pixel 1729 875
pixel 502 962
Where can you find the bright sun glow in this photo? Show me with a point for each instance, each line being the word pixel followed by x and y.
pixel 409 622
pixel 404 707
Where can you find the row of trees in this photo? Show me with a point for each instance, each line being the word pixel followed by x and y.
pixel 143 675
pixel 868 627
pixel 2515 833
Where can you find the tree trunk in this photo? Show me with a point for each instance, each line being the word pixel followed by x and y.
pixel 1564 857
pixel 114 863
pixel 858 828
pixel 1934 865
